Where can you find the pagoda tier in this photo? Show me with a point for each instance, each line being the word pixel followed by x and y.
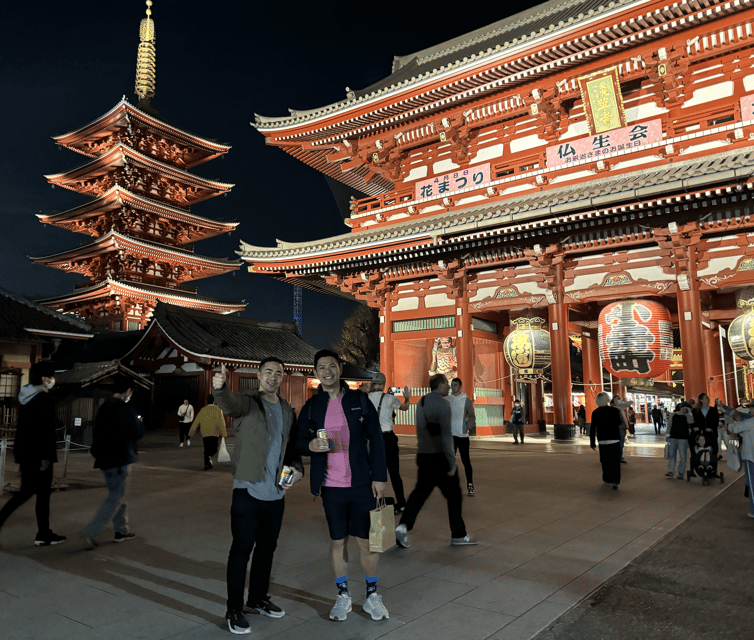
pixel 141 213
pixel 135 215
pixel 127 124
pixel 124 167
pixel 116 255
pixel 130 304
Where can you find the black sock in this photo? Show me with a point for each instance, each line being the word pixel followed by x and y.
pixel 371 585
pixel 342 584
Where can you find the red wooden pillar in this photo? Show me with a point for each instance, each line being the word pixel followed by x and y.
pixel 692 343
pixel 465 344
pixel 714 363
pixel 386 340
pixel 537 404
pixel 590 357
pixel 505 384
pixel 560 348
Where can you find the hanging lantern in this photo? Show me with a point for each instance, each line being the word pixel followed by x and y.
pixel 741 333
pixel 636 339
pixel 527 348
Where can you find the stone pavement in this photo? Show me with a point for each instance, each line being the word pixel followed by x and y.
pixel 551 534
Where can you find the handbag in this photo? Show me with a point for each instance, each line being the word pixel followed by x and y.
pixel 381 527
pixel 222 452
pixel 733 456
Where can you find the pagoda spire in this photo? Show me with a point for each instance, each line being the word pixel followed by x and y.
pixel 146 62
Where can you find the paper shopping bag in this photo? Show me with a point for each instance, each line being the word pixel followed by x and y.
pixel 381 527
pixel 222 452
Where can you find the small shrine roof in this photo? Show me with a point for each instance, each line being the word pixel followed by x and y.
pixel 540 209
pixel 117 193
pixel 24 320
pixel 147 293
pixel 124 109
pixel 231 339
pixel 85 374
pixel 116 240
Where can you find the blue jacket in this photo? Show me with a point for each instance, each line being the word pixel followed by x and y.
pixel 366 448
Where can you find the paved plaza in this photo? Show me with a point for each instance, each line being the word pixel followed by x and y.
pixel 551 534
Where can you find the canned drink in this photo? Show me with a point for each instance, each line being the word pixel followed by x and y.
pixel 322 433
pixel 286 476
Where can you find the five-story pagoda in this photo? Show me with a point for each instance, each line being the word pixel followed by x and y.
pixel 140 216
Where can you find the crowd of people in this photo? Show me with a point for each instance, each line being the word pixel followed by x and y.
pixel 350 439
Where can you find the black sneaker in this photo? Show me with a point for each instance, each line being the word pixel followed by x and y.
pixel 47 539
pixel 237 623
pixel 267 608
pixel 122 537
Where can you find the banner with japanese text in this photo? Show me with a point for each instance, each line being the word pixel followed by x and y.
pixel 470 177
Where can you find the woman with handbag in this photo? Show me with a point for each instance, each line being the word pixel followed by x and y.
pixel 741 422
pixel 212 426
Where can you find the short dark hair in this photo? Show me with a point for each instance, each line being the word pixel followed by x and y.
pixel 436 380
pixel 458 380
pixel 210 399
pixel 325 353
pixel 122 383
pixel 271 359
pixel 39 370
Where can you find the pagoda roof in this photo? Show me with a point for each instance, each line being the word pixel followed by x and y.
pixel 146 293
pixel 122 154
pixel 120 115
pixel 230 339
pixel 115 240
pixel 115 195
pixel 24 320
pixel 511 217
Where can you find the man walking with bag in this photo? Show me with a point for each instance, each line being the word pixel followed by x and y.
pixel 436 462
pixel 212 426
pixel 340 430
pixel 264 447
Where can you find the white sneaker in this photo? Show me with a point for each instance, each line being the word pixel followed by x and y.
pixel 188 442
pixel 180 445
pixel 466 540
pixel 374 607
pixel 401 536
pixel 341 608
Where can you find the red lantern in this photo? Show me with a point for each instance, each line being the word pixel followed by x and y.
pixel 636 339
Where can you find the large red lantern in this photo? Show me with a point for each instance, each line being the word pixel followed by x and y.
pixel 636 339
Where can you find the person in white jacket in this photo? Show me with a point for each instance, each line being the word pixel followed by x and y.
pixel 741 422
pixel 463 420
pixel 185 418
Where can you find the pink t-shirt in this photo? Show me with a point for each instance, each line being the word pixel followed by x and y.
pixel 338 472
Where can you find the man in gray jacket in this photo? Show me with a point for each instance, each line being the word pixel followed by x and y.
pixel 436 462
pixel 264 440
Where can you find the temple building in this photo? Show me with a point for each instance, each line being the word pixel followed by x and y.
pixel 519 179
pixel 140 216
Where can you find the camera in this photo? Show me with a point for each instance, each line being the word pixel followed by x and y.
pixel 394 390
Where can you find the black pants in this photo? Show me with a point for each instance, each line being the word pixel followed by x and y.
pixel 32 481
pixel 255 525
pixel 183 429
pixel 658 425
pixel 518 428
pixel 393 467
pixel 610 455
pixel 462 445
pixel 433 472
pixel 210 449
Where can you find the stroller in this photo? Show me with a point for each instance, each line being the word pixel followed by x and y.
pixel 703 459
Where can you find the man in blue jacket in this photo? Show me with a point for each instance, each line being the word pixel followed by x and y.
pixel 349 471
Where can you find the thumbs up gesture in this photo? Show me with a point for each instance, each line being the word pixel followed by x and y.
pixel 218 380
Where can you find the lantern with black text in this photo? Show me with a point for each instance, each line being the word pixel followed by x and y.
pixel 741 333
pixel 527 348
pixel 636 339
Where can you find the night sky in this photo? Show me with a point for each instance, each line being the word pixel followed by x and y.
pixel 66 63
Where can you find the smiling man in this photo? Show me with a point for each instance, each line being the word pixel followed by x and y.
pixel 340 430
pixel 264 444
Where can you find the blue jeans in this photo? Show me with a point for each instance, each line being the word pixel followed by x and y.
pixel 113 508
pixel 255 525
pixel 680 447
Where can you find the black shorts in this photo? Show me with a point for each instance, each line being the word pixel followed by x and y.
pixel 347 510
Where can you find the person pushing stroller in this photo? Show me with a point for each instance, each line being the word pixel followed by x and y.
pixel 703 460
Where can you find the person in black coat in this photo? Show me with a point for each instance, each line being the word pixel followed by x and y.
pixel 35 450
pixel 706 422
pixel 605 431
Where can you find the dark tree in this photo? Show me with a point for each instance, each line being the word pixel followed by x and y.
pixel 359 341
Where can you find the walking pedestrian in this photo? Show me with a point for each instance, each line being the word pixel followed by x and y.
pixel 185 418
pixel 211 425
pixel 581 418
pixel 386 405
pixel 340 430
pixel 117 427
pixel 605 431
pixel 517 420
pixel 657 419
pixel 463 420
pixel 678 439
pixel 264 447
pixel 35 450
pixel 740 422
pixel 618 403
pixel 436 462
